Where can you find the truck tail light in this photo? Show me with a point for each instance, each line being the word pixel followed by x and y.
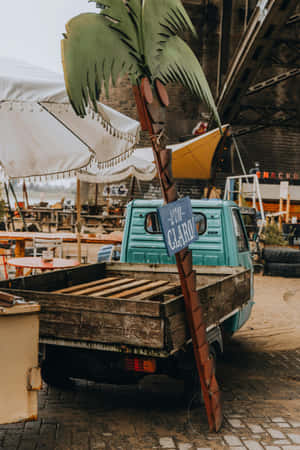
pixel 140 365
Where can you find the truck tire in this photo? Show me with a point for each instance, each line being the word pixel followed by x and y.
pixel 53 371
pixel 281 255
pixel 282 269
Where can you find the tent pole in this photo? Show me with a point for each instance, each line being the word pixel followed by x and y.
pixel 25 195
pixel 17 206
pixel 78 224
pixel 9 207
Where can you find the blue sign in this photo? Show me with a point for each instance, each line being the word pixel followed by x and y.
pixel 178 225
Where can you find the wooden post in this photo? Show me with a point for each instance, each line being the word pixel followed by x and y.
pixel 280 215
pixel 78 223
pixel 288 208
pixel 96 196
pixel 17 206
pixel 240 192
pixel 9 207
pixel 152 118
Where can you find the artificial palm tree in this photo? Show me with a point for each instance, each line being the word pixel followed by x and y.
pixel 140 38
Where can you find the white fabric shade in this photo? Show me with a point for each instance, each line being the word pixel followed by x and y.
pixel 139 164
pixel 191 159
pixel 41 135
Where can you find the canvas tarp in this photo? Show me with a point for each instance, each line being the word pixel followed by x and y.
pixel 41 135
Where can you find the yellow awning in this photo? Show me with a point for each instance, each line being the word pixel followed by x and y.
pixel 193 159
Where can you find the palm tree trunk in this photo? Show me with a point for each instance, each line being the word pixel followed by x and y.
pixel 152 118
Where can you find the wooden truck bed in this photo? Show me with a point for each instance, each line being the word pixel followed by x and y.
pixel 127 307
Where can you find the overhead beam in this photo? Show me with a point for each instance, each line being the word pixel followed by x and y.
pixel 293 19
pixel 263 29
pixel 272 81
pixel 258 127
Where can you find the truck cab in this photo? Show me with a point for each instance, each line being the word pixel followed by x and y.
pixel 222 241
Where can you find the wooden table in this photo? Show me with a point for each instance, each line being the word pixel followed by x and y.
pixel 36 262
pixel 21 237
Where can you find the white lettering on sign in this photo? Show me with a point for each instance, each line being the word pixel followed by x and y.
pixel 180 235
pixel 178 225
pixel 115 190
pixel 176 216
pixel 190 226
pixel 170 239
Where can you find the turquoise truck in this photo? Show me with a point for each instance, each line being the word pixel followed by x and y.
pixel 223 242
pixel 119 321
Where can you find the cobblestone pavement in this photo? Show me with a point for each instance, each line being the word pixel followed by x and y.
pixel 261 394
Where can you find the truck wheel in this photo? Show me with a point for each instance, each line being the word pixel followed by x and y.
pixel 53 373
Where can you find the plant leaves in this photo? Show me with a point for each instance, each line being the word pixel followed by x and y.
pixel 93 54
pixel 161 20
pixel 121 18
pixel 177 63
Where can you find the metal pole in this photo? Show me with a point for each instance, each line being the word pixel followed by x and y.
pixel 78 223
pixel 17 205
pixel 239 156
pixel 9 207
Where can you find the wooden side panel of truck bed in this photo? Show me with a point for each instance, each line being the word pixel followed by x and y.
pixel 149 319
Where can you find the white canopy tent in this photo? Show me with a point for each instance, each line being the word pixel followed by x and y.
pixel 40 133
pixel 191 159
pixel 139 165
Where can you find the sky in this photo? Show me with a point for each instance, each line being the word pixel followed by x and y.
pixel 31 30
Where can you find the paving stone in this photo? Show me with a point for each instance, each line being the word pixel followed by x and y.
pixel 277 419
pixel 283 425
pixel 272 447
pixel 236 423
pixel 167 442
pixel 295 438
pixel 276 434
pixel 291 447
pixel 253 445
pixel 238 448
pixel 281 442
pixel 95 445
pixel 255 428
pixel 232 440
pixel 183 446
pixel 294 424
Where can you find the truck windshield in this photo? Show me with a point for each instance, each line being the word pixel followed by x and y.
pixel 152 224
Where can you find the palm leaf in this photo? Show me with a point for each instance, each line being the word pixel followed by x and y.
pixel 122 18
pixel 177 63
pixel 162 19
pixel 93 54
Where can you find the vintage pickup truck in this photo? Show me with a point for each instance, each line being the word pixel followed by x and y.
pixel 117 322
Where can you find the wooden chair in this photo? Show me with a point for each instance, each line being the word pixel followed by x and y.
pixel 105 253
pixel 42 244
pixel 7 250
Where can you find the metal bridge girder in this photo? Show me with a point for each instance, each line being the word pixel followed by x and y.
pixel 262 31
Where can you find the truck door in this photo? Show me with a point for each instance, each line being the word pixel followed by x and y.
pixel 245 260
pixel 244 257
